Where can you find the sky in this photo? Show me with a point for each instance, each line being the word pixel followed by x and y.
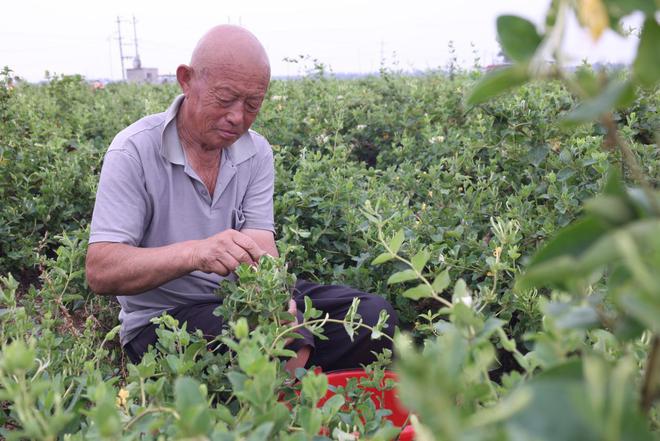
pixel 80 37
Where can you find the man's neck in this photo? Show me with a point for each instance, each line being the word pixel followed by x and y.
pixel 205 161
pixel 199 156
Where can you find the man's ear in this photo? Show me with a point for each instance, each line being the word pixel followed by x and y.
pixel 183 77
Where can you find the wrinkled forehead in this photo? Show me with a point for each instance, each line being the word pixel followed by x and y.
pixel 242 78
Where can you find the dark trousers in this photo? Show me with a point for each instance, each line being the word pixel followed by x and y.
pixel 337 352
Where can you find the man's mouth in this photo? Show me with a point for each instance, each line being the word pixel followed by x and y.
pixel 227 133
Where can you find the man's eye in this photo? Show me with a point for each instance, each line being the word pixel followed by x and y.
pixel 252 107
pixel 225 101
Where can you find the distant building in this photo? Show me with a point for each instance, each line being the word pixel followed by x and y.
pixel 167 78
pixel 139 74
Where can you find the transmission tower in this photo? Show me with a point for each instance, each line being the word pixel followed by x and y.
pixel 122 57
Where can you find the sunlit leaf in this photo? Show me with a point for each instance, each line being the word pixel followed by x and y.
pixel 396 241
pixel 420 291
pixel 420 259
pixel 461 293
pixel 402 276
pixel 593 16
pixel 498 82
pixel 441 282
pixel 382 258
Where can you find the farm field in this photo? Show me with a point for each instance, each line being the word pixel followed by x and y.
pixel 390 183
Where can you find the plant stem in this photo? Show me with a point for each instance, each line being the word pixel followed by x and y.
pixel 410 265
pixel 650 387
pixel 323 320
pixel 630 160
pixel 151 410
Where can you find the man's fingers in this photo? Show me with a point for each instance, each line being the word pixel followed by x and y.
pixel 228 260
pixel 293 309
pixel 240 255
pixel 248 245
pixel 220 269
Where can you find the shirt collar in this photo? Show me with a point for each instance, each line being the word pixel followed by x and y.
pixel 241 150
pixel 171 146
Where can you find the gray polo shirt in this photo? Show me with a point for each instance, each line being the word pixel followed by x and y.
pixel 149 196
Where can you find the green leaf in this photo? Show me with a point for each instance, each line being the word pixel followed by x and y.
pixel 538 154
pixel 582 248
pixel 332 406
pixel 461 293
pixel 617 94
pixel 614 184
pixel 397 241
pixel 587 80
pixel 420 259
pixel 262 432
pixel 385 433
pixel 106 417
pixel 310 419
pixel 241 329
pixel 441 282
pixel 569 316
pixel 621 8
pixel 377 330
pixel 310 312
pixel 646 67
pixel 507 343
pixel 491 326
pixel 187 393
pixel 497 82
pixel 17 356
pixel 402 276
pixel 518 37
pixel 191 405
pixel 612 209
pixel 420 291
pixel 382 258
pixel 503 410
pixel 562 394
pixel 571 241
pixel 314 387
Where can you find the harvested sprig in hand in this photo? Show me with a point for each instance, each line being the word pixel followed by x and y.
pixel 262 294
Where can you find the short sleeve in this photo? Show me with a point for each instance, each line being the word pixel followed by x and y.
pixel 122 207
pixel 258 199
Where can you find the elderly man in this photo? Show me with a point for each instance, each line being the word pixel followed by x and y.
pixel 185 196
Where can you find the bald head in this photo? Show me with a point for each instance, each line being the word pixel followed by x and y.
pixel 223 87
pixel 228 47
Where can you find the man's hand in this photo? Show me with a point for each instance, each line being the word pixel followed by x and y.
pixel 223 252
pixel 299 361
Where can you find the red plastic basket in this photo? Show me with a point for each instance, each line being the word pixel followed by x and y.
pixel 389 399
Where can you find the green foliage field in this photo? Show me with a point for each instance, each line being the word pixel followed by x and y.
pixel 471 192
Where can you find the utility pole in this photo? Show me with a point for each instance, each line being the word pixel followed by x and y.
pixel 137 62
pixel 121 49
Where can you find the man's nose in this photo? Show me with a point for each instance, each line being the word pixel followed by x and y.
pixel 235 114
